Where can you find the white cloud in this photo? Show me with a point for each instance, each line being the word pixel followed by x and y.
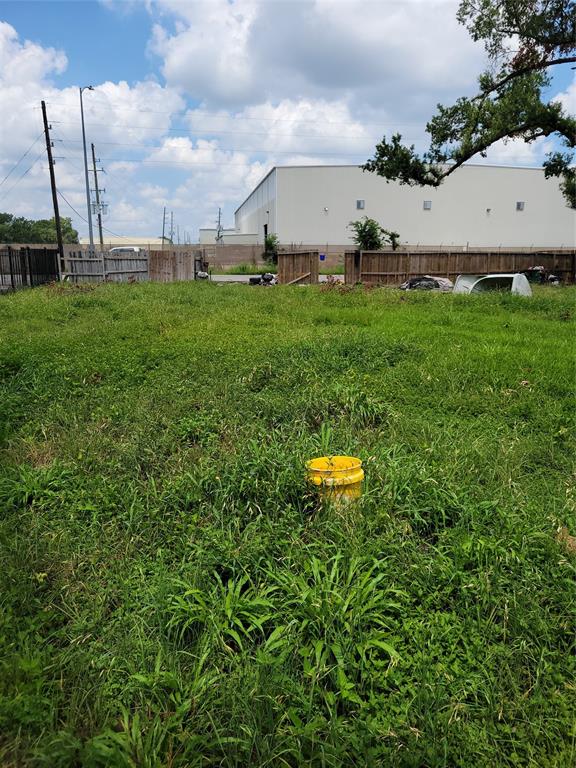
pixel 304 127
pixel 568 98
pixel 514 152
pixel 22 63
pixel 121 167
pixel 209 50
pixel 406 55
pixel 215 177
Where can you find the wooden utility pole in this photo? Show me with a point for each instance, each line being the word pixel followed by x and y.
pixel 98 209
pixel 54 193
pixel 219 237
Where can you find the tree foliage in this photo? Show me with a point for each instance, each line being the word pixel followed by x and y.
pixel 370 236
pixel 17 229
pixel 523 39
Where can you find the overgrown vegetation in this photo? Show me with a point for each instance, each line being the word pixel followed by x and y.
pixel 172 592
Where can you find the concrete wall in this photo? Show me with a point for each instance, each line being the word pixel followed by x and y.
pixel 207 236
pixel 476 206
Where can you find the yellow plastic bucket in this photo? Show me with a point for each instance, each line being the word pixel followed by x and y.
pixel 337 477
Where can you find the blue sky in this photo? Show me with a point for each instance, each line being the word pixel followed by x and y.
pixel 195 101
pixel 101 43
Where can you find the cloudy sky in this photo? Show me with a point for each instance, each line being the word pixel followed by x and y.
pixel 194 102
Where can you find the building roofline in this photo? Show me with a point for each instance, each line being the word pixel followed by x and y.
pixel 353 165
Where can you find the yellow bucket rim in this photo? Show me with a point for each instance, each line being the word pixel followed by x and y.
pixel 328 465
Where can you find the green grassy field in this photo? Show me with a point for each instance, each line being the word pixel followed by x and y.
pixel 173 594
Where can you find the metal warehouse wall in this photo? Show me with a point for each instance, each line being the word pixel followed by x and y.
pixel 259 208
pixel 476 206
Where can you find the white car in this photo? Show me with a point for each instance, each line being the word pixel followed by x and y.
pixel 513 283
pixel 126 249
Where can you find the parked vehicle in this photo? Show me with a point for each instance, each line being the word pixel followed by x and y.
pixel 126 249
pixel 513 283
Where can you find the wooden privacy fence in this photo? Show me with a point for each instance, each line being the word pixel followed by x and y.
pixel 298 267
pixel 171 265
pixel 99 266
pixel 394 267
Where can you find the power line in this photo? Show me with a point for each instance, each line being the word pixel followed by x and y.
pixel 187 164
pixel 203 131
pixel 123 237
pixel 249 150
pixel 19 179
pixel 22 158
pixel 218 116
pixel 69 204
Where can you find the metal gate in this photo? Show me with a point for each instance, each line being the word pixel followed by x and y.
pixel 27 267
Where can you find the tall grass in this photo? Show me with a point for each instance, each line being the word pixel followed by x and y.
pixel 173 593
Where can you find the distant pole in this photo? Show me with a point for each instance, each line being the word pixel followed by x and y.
pixel 97 197
pixel 163 226
pixel 53 186
pixel 219 237
pixel 178 233
pixel 172 227
pixel 90 233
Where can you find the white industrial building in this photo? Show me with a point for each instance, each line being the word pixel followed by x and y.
pixel 477 206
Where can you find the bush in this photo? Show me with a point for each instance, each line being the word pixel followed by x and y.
pixel 370 236
pixel 271 249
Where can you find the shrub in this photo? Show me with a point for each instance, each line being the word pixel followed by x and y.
pixel 370 236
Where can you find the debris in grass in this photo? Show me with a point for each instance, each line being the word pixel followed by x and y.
pixel 563 537
pixel 266 278
pixel 428 283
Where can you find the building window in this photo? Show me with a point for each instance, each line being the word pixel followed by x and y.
pixel 520 205
pixel 427 205
pixel 359 205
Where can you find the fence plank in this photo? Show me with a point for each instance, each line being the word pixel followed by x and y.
pixel 298 267
pixel 173 265
pixel 79 266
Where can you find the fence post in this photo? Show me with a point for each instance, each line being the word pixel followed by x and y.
pixel 28 260
pixel 23 272
pixel 11 265
pixel 103 257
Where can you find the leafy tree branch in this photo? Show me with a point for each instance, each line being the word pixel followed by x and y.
pixel 509 103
